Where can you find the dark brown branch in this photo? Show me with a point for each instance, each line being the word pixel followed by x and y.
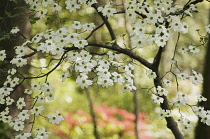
pixel 187 6
pixel 127 52
pixel 142 15
pixel 157 58
pixel 94 31
pixel 105 19
pixel 46 74
pixel 171 123
pixel 194 2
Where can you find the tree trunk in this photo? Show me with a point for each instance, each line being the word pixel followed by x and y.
pixel 202 131
pixel 92 113
pixel 6 25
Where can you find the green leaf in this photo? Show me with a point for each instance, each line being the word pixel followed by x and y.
pixel 110 42
pixel 117 46
pixel 6 36
pixel 12 16
pixel 8 14
pixel 30 123
pixel 33 21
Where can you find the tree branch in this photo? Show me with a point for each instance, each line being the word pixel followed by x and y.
pixel 171 123
pixel 105 19
pixel 46 74
pixel 156 62
pixel 194 2
pixel 127 52
pixel 94 31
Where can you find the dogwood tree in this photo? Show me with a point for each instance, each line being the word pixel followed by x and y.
pixel 102 63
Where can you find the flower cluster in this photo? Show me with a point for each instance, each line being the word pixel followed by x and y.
pixel 154 18
pixel 84 63
pixel 195 77
pixel 186 125
pixel 2 55
pixel 164 113
pixel 191 49
pixel 14 30
pixel 55 118
pixel 180 100
pixel 106 10
pixel 207 28
pixel 157 99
